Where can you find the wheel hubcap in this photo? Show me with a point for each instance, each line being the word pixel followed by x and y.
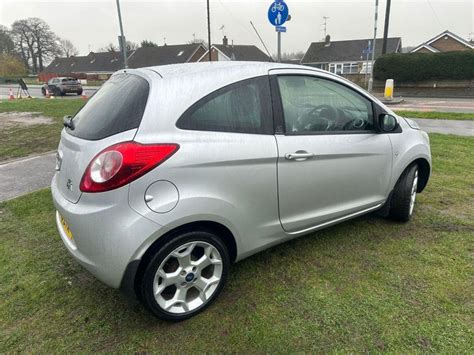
pixel 187 277
pixel 413 192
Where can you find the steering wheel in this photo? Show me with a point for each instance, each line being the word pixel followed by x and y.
pixel 319 118
pixel 355 124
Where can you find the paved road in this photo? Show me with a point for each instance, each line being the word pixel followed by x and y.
pixel 435 104
pixel 459 128
pixel 23 176
pixel 27 175
pixel 35 91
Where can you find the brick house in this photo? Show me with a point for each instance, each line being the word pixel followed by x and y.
pixel 167 54
pixel 444 42
pixel 224 52
pixel 100 66
pixel 94 66
pixel 346 57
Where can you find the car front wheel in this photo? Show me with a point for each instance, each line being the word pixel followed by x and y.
pixel 404 195
pixel 185 276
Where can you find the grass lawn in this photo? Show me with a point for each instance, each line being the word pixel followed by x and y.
pixel 366 285
pixel 436 115
pixel 20 140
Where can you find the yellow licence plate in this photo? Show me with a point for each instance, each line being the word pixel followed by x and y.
pixel 66 228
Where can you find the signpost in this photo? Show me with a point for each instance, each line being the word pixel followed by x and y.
pixel 278 14
pixel 367 52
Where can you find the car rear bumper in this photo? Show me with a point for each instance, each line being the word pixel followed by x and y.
pixel 107 234
pixel 66 90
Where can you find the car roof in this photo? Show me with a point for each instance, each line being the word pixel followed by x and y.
pixel 243 68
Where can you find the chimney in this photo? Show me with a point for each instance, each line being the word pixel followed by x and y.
pixel 225 41
pixel 327 41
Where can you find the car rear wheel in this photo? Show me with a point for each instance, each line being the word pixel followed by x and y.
pixel 185 276
pixel 404 195
pixel 79 92
pixel 43 91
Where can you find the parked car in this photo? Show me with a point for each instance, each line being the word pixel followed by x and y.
pixel 62 86
pixel 170 174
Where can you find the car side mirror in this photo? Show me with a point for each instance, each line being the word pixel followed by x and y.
pixel 387 123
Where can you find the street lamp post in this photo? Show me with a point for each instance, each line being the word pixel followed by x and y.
pixel 385 30
pixel 122 37
pixel 371 80
pixel 209 30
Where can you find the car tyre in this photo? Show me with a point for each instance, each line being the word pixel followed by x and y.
pixel 404 195
pixel 43 91
pixel 79 92
pixel 185 276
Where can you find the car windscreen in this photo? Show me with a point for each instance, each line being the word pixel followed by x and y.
pixel 117 107
pixel 65 80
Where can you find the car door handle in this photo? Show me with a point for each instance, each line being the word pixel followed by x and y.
pixel 300 155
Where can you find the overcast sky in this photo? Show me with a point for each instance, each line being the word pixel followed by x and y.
pixel 93 24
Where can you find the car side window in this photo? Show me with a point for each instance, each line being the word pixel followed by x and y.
pixel 316 105
pixel 243 107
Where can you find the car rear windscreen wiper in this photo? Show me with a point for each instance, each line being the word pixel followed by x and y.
pixel 68 122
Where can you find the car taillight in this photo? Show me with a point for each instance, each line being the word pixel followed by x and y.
pixel 122 163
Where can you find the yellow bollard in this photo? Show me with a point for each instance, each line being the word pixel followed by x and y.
pixel 389 89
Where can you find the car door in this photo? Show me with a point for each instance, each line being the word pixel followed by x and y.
pixel 332 162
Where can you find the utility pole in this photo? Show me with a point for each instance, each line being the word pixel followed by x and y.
pixel 371 80
pixel 209 30
pixel 122 37
pixel 385 30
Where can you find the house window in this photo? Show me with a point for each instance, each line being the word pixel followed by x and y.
pixel 344 68
pixel 318 66
pixel 350 68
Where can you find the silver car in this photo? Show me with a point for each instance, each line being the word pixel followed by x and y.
pixel 170 174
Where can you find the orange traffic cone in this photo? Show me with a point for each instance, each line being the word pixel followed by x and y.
pixel 84 96
pixel 10 95
pixel 46 93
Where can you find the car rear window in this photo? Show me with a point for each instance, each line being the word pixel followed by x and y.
pixel 116 107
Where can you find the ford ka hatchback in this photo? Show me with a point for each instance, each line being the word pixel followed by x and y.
pixel 170 174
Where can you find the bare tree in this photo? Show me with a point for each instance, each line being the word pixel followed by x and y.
pixel 108 48
pixel 131 46
pixel 145 43
pixel 197 41
pixel 67 48
pixel 292 55
pixel 25 43
pixel 47 46
pixel 6 42
pixel 35 41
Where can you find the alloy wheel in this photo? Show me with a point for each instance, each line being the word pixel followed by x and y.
pixel 188 277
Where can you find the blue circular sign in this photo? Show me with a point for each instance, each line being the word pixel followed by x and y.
pixel 278 13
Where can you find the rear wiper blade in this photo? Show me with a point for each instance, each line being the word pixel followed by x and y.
pixel 68 122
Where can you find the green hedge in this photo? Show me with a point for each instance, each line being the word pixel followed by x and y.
pixel 425 66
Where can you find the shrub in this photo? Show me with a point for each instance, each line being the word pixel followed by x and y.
pixel 426 66
pixel 11 66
